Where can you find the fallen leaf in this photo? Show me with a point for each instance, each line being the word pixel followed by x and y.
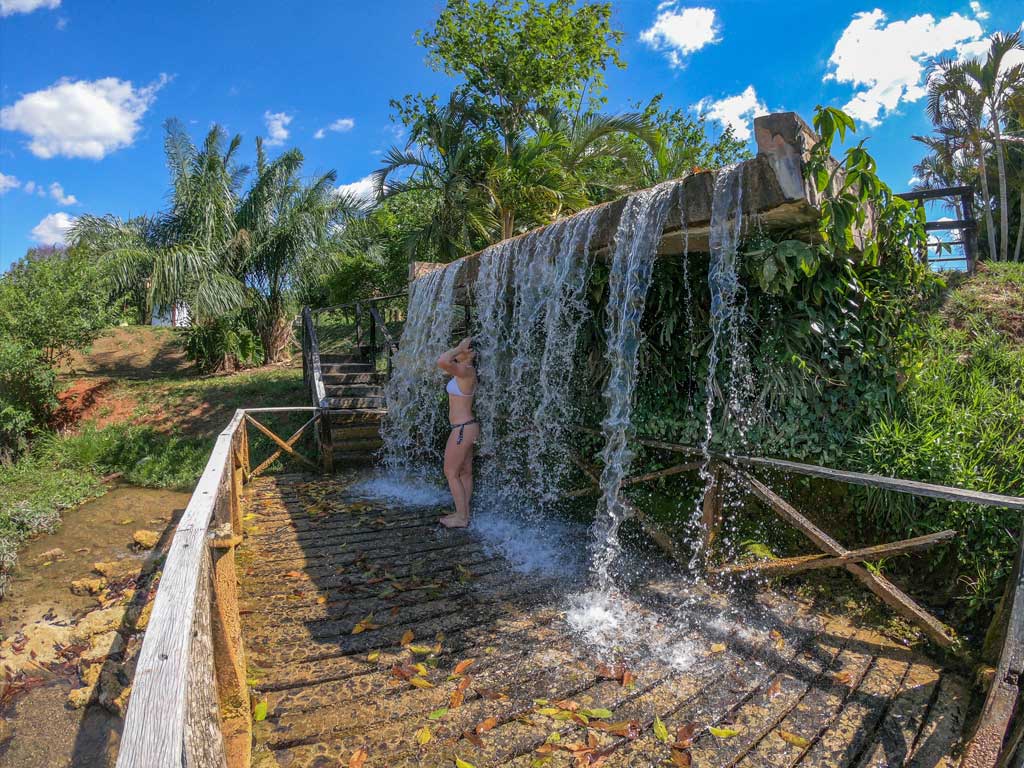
pixel 420 682
pixel 628 679
pixel 423 735
pixel 358 758
pixel 473 739
pixel 407 637
pixel 660 731
pixel 681 758
pixel 421 650
pixel 372 656
pixel 259 712
pixel 463 683
pixel 489 650
pixel 455 700
pixel 420 669
pixel 843 677
pixel 293 575
pixel 718 647
pixel 792 738
pixel 463 764
pixel 599 713
pixel 462 666
pixel 364 625
pixel 491 695
pixel 567 704
pixel 723 733
pixel 628 729
pixel 485 725
pixel 775 688
pixel 437 714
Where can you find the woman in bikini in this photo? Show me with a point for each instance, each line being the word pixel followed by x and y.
pixel 458 453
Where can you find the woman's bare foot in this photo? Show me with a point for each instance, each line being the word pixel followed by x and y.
pixel 455 520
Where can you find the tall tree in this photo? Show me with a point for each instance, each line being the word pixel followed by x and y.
pixel 282 227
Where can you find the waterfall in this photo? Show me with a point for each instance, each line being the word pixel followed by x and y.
pixel 530 295
pixel 416 415
pixel 633 251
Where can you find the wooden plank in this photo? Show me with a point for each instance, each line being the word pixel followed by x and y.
pixel 204 745
pixel 810 562
pixel 886 591
pixel 986 744
pixel 647 477
pixel 281 443
pixel 319 391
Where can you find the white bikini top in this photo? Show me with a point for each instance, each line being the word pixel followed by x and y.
pixel 453 389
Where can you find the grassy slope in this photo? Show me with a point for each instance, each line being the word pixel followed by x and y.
pixel 154 424
pixel 961 422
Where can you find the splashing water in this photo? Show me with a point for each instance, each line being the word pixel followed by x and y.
pixel 413 394
pixel 634 248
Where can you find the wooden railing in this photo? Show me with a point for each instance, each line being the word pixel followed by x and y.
pixel 177 717
pixel 361 326
pixel 963 199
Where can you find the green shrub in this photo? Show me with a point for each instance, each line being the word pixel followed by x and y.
pixel 27 387
pixel 222 345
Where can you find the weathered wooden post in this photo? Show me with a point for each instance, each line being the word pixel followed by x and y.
pixel 711 518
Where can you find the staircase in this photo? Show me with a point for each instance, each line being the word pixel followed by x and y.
pixel 355 395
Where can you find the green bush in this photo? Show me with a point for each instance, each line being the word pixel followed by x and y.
pixel 27 387
pixel 223 345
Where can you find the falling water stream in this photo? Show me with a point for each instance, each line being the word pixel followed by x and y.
pixel 530 303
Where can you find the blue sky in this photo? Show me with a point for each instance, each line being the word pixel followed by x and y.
pixel 86 86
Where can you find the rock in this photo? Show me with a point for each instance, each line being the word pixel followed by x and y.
pixel 143 620
pixel 88 586
pixel 146 539
pixel 119 570
pixel 82 697
pixel 91 674
pixel 103 645
pixel 98 622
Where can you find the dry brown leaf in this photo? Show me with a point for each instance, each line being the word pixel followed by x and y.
pixel 775 688
pixel 718 648
pixel 358 758
pixel 462 666
pixel 628 679
pixel 792 738
pixel 844 677
pixel 491 695
pixel 684 735
pixel 407 637
pixel 485 725
pixel 567 704
pixel 473 739
pixel 455 701
pixel 463 683
pixel 402 673
pixel 293 575
pixel 681 758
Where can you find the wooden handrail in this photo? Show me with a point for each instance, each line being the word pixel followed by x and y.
pixel 897 484
pixel 192 639
pixel 311 353
pixel 352 304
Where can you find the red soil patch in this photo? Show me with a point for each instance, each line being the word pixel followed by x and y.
pixel 91 400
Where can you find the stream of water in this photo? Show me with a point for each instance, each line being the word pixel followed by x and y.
pixel 530 297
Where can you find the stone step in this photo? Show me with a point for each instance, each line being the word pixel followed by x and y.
pixel 356 416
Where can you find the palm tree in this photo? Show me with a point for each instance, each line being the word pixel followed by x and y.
pixel 449 166
pixel 978 93
pixel 282 227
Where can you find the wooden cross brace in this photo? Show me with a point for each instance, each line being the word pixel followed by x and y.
pixel 284 446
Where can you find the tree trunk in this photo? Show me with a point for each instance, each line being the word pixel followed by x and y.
pixel 1004 203
pixel 277 338
pixel 990 226
pixel 1020 226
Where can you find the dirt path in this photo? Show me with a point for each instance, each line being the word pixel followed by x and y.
pixel 67 656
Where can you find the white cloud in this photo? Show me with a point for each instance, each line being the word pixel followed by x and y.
pixel 363 189
pixel 979 12
pixel 32 188
pixel 681 31
pixel 81 118
pixel 736 112
pixel 277 127
pixel 341 125
pixel 11 7
pixel 913 180
pixel 52 229
pixel 890 58
pixel 7 183
pixel 57 193
pixel 319 134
